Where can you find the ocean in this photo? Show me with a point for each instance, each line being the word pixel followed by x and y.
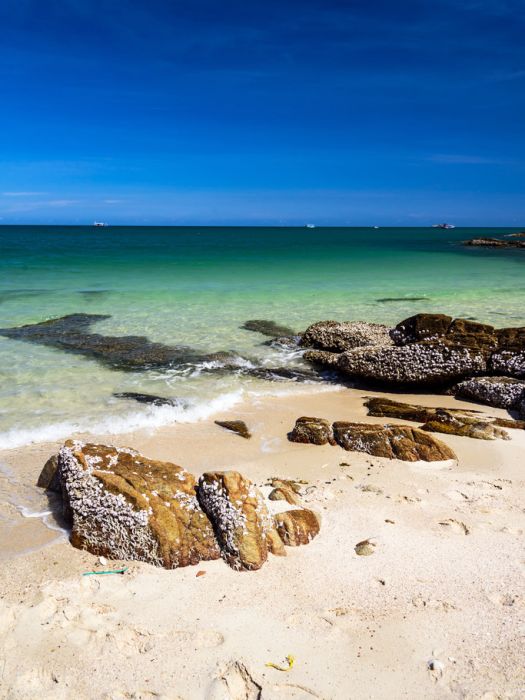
pixel 195 287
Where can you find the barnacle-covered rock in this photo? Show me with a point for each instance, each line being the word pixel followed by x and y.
pixel 316 431
pixel 338 336
pixel 459 332
pixel 324 358
pixel 509 362
pixel 425 363
pixel 502 392
pixel 297 527
pixel 239 515
pixel 125 506
pixel 391 441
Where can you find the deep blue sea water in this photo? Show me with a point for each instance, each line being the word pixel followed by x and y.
pixel 196 286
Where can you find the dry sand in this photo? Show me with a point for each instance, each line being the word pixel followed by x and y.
pixel 436 611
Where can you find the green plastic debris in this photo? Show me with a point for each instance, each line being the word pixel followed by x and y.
pixel 113 571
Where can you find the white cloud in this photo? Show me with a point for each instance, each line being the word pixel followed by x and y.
pixel 23 194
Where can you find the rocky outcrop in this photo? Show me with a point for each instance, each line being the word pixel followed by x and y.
pixel 502 392
pixel 316 431
pixel 510 363
pixel 297 527
pixel 338 336
pixel 444 420
pixel 282 493
pixel 424 364
pixel 124 506
pixel 456 333
pixel 131 353
pixel 240 518
pixel 391 441
pixel 487 242
pixel 235 426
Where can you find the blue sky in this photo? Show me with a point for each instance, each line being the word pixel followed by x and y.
pixel 351 113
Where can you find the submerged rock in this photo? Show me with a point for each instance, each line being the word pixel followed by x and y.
pixel 391 441
pixel 316 431
pixel 239 515
pixel 297 527
pixel 132 352
pixel 149 398
pixel 269 328
pixel 502 392
pixel 338 336
pixel 235 426
pixel 487 242
pixel 124 506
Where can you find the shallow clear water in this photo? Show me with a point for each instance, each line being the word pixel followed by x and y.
pixel 196 286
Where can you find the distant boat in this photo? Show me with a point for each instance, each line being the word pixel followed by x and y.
pixel 375 226
pixel 443 226
pixel 99 223
pixel 310 225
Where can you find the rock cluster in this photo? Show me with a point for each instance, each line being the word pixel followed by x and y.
pixel 430 350
pixel 124 506
pixel 444 420
pixel 391 441
pixel 487 242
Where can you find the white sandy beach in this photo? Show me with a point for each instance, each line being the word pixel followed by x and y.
pixel 436 611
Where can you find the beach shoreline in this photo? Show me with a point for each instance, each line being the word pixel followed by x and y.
pixel 433 610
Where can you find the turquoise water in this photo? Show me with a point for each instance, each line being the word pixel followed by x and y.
pixel 196 286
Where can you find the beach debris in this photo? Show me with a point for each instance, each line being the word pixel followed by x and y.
pixel 297 527
pixel 102 561
pixel 278 667
pixel 315 431
pixel 235 426
pixel 436 666
pixel 111 571
pixel 365 548
pixel 200 573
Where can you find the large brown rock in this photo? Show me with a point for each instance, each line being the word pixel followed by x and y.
pixel 239 515
pixel 391 441
pixel 235 426
pixel 316 431
pixel 509 362
pixel 459 332
pixel 338 336
pixel 125 506
pixel 297 527
pixel 452 421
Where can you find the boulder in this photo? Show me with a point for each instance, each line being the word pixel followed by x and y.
pixel 461 333
pixel 338 336
pixel 391 441
pixel 124 506
pixel 235 426
pixel 239 515
pixel 425 364
pixel 316 431
pixel 48 478
pixel 296 527
pixel 502 392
